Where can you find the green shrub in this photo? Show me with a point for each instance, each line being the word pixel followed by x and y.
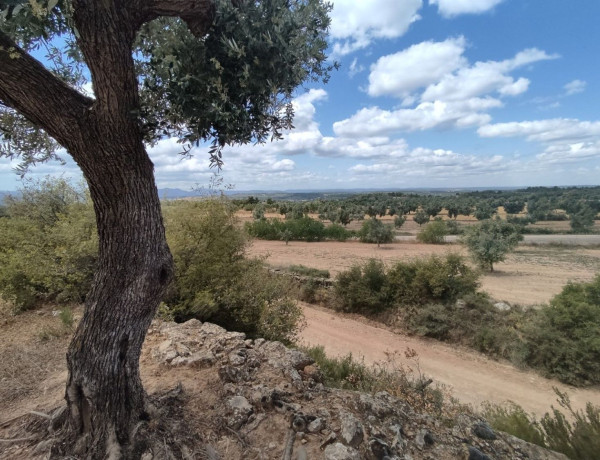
pixel 370 288
pixel 431 320
pixel 363 289
pixel 374 231
pixel 66 317
pixel 309 271
pixel 48 245
pixel 432 279
pixel 512 418
pixel 433 233
pixel 215 282
pixel 337 232
pixel 577 434
pixel 452 228
pixel 564 341
pixel 299 229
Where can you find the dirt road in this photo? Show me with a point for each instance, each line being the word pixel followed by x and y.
pixel 568 240
pixel 472 377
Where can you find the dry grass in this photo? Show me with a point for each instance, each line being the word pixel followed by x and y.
pixel 32 350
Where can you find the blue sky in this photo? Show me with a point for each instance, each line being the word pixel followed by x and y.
pixel 431 93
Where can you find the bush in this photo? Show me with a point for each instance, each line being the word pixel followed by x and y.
pixel 363 289
pixel 309 271
pixel 452 228
pixel 374 231
pixel 370 288
pixel 564 341
pixel 432 279
pixel 215 282
pixel 577 435
pixel 300 229
pixel 48 245
pixel 433 233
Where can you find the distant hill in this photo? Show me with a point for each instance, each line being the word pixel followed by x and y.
pixel 172 193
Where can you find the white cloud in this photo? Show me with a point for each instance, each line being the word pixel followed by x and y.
pixel 427 115
pixel 575 87
pixel 455 95
pixel 355 24
pixel 485 77
pixel 433 164
pixel 570 152
pixel 450 8
pixel 544 130
pixel 415 67
pixel 355 68
pixel 563 139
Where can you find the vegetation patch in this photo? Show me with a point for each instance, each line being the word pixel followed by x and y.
pixel 298 229
pixel 577 434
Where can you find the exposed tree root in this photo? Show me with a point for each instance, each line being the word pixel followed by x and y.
pixel 163 436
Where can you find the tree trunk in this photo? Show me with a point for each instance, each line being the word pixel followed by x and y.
pixel 104 391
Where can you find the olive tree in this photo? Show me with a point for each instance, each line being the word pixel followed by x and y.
pixel 217 71
pixel 490 241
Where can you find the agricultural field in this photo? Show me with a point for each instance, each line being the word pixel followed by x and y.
pixel 530 276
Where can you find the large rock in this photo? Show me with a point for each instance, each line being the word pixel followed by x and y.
pixel 352 430
pixel 338 451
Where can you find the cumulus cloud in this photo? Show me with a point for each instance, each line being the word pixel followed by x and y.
pixel 427 115
pixel 563 139
pixel 575 87
pixel 415 67
pixel 445 73
pixel 447 90
pixel 451 8
pixel 354 25
pixel 433 164
pixel 556 129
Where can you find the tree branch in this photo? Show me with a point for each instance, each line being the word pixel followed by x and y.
pixel 197 14
pixel 45 100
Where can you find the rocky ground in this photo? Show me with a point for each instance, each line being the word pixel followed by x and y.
pixel 234 398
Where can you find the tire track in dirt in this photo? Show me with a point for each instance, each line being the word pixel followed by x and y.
pixel 472 377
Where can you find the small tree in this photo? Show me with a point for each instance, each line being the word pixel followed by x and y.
pixel 259 212
pixel 432 209
pixel 344 217
pixel 421 218
pixel 433 233
pixel 399 221
pixel 286 235
pixel 484 211
pixel 374 231
pixel 490 241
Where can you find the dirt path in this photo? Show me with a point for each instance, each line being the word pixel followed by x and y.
pixel 472 377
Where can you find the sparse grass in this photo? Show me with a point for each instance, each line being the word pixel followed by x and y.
pixel 66 317
pixel 577 434
pixel 405 382
pixel 303 270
